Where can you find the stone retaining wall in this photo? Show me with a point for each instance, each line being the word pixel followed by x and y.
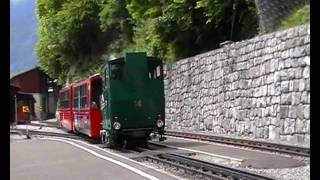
pixel 256 88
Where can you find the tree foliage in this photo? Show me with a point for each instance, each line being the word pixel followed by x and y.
pixel 71 41
pixel 75 34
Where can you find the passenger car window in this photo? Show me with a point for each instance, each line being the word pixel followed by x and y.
pixel 64 102
pixel 83 96
pixel 76 96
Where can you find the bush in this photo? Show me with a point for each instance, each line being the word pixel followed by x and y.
pixel 298 17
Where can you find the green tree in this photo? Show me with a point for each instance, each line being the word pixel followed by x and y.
pixel 74 35
pixel 174 29
pixel 70 37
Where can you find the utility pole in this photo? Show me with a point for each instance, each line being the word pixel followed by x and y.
pixel 27 129
pixel 41 121
pixel 15 111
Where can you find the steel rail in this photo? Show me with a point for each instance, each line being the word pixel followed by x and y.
pixel 281 148
pixel 204 169
pixel 44 124
pixel 33 132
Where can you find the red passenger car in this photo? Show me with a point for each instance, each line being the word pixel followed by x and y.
pixel 65 108
pixel 86 116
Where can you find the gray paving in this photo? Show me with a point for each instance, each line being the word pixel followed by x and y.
pixel 251 158
pixel 50 160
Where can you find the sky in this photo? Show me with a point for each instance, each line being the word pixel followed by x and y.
pixel 23 35
pixel 14 2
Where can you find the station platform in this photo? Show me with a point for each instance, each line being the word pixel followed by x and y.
pixel 40 159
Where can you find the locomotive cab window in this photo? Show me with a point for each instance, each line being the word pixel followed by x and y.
pixel 155 71
pixel 116 71
pixel 106 77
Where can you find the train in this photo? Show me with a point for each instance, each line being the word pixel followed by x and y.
pixel 122 105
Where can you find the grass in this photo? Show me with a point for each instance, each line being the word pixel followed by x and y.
pixel 298 17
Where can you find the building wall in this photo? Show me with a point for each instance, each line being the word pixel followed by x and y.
pixel 41 101
pixel 53 103
pixel 256 88
pixel 33 81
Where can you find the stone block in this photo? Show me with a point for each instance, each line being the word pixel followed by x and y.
pixel 275 99
pixel 284 86
pixel 296 85
pixel 307 60
pixel 289 126
pixel 266 132
pixel 284 75
pixel 277 89
pixel 296 98
pixel 281 64
pixel 307 139
pixel 302 85
pixel 298 72
pixel 292 112
pixel 277 76
pixel 307 127
pixel 292 139
pixel 300 126
pixel 306 72
pixel 273 65
pixel 306 112
pixel 275 121
pixel 283 138
pixel 299 52
pixel 286 99
pixel 285 54
pixel 284 111
pixel 307 84
pixel 300 111
pixel 274 132
pixel 291 74
pixel 304 97
pixel 300 138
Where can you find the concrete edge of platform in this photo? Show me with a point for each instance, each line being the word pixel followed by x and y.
pixel 202 152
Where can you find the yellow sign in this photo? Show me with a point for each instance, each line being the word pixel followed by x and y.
pixel 25 109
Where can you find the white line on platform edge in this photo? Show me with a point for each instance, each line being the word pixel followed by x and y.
pixel 137 171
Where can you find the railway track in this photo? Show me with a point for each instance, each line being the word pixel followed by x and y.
pixel 44 124
pixel 273 147
pixel 203 169
pixel 41 133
